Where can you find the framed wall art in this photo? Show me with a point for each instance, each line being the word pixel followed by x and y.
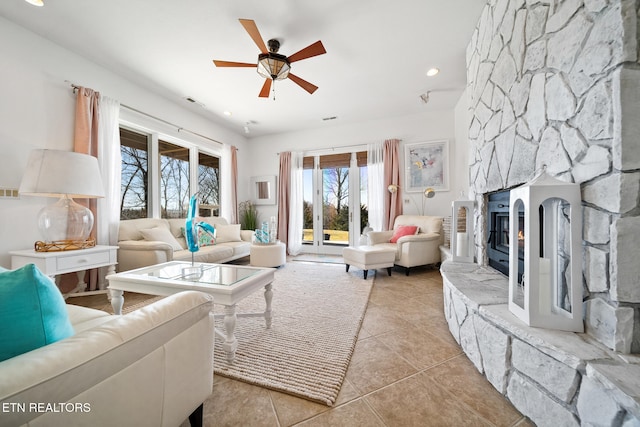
pixel 263 189
pixel 427 165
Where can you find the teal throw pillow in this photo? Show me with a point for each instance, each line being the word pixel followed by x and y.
pixel 204 237
pixel 32 312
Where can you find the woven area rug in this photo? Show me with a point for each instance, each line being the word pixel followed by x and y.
pixel 317 313
pixel 328 259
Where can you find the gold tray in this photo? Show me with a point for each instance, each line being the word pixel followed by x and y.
pixel 64 245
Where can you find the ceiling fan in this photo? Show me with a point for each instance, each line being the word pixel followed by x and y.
pixel 272 65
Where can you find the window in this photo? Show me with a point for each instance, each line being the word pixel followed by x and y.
pixel 174 180
pixel 208 185
pixel 134 201
pixel 156 177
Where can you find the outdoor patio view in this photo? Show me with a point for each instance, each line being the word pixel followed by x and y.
pixel 332 190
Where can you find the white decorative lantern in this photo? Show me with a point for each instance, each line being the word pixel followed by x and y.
pixel 462 239
pixel 545 223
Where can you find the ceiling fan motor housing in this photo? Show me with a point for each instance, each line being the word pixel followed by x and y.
pixel 274 45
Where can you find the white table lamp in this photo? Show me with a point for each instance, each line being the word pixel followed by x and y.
pixel 65 224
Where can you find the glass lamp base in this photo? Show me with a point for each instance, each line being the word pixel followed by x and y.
pixel 65 220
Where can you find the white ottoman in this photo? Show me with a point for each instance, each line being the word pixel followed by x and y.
pixel 273 255
pixel 369 257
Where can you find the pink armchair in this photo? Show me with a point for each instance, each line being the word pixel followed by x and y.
pixel 422 248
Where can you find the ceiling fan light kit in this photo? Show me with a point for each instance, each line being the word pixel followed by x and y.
pixel 272 65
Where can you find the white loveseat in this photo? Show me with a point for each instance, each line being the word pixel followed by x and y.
pixel 151 367
pixel 135 252
pixel 422 248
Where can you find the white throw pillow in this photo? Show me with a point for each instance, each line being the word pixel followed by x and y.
pixel 158 234
pixel 228 233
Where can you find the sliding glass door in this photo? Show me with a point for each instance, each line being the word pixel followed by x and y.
pixel 332 202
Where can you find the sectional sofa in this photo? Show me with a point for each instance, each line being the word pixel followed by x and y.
pixel 148 241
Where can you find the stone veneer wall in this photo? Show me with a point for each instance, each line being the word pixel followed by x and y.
pixel 557 83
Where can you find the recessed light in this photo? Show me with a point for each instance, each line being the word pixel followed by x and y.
pixel 227 113
pixel 38 3
pixel 432 72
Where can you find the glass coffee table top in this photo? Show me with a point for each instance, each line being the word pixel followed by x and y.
pixel 202 273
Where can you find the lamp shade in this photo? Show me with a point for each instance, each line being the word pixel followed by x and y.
pixel 56 173
pixel 429 192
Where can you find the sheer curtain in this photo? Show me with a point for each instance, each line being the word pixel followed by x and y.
pixel 296 221
pixel 110 161
pixel 375 187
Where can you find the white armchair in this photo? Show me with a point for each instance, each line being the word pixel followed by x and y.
pixel 422 248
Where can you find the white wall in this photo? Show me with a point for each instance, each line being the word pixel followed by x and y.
pixel 462 119
pixel 424 127
pixel 37 111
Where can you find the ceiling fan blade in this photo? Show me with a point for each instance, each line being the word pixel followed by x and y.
pixel 266 88
pixel 251 28
pixel 303 83
pixel 232 64
pixel 314 49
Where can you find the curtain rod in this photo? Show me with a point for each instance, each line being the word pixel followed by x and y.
pixel 311 152
pixel 179 128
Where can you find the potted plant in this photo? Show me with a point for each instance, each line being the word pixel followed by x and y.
pixel 248 216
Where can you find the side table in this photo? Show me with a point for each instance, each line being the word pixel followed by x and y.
pixel 56 263
pixel 268 255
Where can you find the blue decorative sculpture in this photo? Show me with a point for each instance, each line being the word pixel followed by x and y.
pixel 191 227
pixel 193 243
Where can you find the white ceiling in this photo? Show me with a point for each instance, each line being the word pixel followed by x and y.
pixel 377 53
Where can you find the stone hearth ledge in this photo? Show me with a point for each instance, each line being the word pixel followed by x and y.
pixel 552 377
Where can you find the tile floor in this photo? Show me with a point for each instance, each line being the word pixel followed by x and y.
pixel 406 370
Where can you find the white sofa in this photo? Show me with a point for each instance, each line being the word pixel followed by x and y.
pixel 419 249
pixel 152 367
pixel 135 252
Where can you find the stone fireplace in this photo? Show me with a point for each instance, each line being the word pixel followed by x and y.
pixel 556 84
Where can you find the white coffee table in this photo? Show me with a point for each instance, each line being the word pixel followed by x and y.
pixel 227 283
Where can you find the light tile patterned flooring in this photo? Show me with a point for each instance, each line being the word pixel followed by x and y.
pixel 406 370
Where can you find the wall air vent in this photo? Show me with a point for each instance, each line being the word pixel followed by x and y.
pixel 193 101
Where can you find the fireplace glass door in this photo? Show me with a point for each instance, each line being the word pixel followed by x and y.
pixel 498 240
